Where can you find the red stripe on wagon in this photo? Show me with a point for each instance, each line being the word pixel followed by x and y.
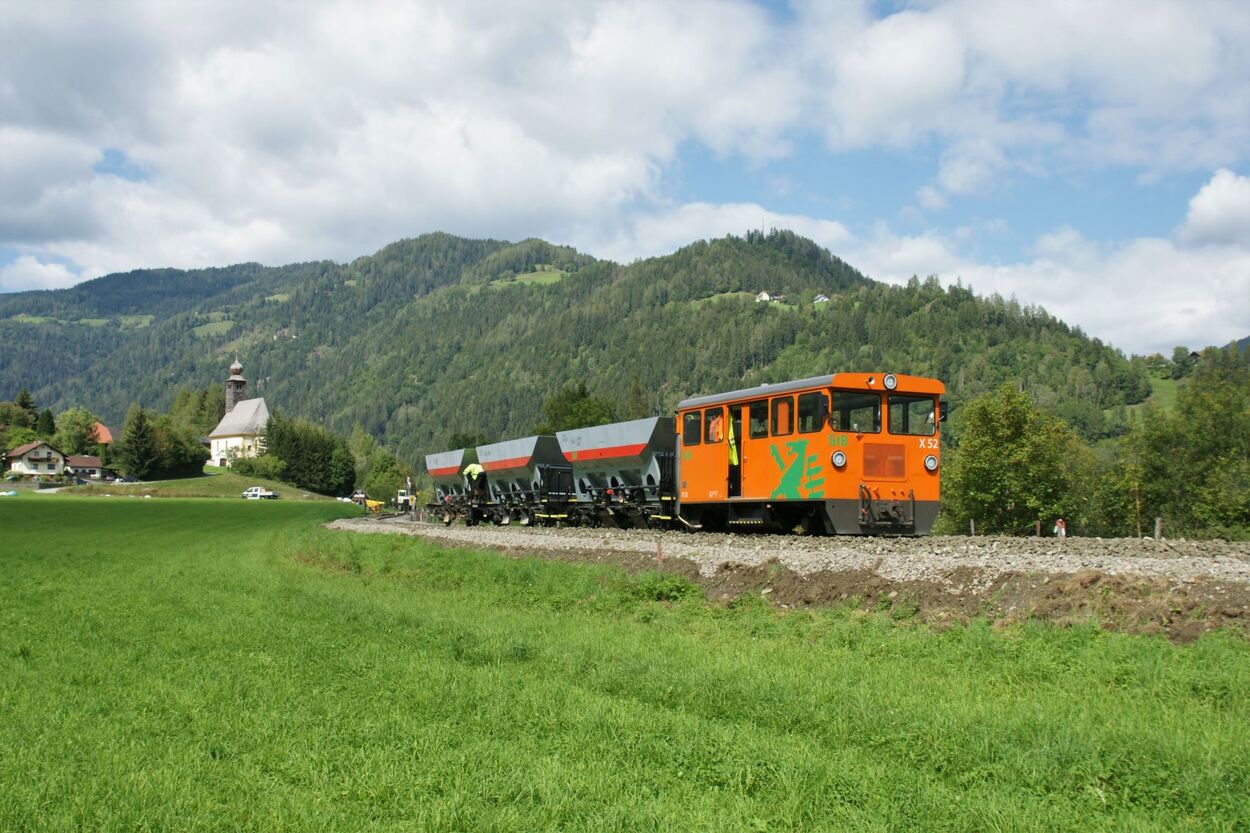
pixel 445 471
pixel 510 463
pixel 605 453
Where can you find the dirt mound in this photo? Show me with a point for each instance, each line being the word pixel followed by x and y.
pixel 1183 611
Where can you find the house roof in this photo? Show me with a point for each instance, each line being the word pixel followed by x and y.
pixel 83 461
pixel 248 417
pixel 22 449
pixel 102 433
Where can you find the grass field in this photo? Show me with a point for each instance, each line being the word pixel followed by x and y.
pixel 201 665
pixel 216 483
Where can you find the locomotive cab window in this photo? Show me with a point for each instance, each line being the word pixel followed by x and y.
pixel 813 407
pixel 853 411
pixel 692 428
pixel 714 424
pixel 912 415
pixel 783 416
pixel 759 419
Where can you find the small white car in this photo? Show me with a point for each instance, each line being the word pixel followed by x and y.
pixel 259 493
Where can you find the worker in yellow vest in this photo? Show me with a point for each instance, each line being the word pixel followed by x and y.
pixel 476 479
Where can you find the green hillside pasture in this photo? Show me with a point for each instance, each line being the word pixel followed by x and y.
pixel 213 328
pixel 135 322
pixel 222 484
pixel 544 277
pixel 724 296
pixel 194 665
pixel 1163 392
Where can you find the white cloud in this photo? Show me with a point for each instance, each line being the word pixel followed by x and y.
pixel 894 79
pixel 278 137
pixel 930 198
pixel 970 166
pixel 664 231
pixel 1145 295
pixel 1037 86
pixel 28 272
pixel 1220 212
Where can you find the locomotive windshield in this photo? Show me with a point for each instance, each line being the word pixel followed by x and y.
pixel 855 411
pixel 912 415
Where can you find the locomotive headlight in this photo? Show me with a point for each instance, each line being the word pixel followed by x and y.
pixel 838 458
pixel 930 463
pixel 891 381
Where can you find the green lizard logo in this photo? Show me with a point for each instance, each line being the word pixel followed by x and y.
pixel 800 474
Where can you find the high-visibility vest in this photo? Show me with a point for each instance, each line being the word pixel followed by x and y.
pixel 473 470
pixel 733 443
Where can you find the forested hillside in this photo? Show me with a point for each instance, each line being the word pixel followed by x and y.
pixel 439 334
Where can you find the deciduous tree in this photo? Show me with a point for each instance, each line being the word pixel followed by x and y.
pixel 76 433
pixel 1015 466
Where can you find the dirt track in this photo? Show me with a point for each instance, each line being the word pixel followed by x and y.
pixel 1182 588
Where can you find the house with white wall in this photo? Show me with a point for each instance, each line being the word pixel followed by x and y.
pixel 34 458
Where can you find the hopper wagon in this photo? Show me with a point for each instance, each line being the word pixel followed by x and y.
pixel 527 480
pixel 623 473
pixel 451 494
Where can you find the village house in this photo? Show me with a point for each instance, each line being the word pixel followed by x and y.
pixel 34 458
pixel 241 431
pixel 88 465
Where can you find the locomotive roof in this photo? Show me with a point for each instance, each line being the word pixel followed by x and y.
pixel 757 391
pixel 863 381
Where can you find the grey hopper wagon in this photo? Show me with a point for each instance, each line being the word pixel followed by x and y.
pixel 623 473
pixel 447 470
pixel 523 475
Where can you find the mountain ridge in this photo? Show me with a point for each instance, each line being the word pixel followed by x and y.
pixel 437 334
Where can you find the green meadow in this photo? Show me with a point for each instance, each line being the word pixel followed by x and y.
pixel 227 665
pixel 215 482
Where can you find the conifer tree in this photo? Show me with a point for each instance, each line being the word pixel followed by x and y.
pixel 139 452
pixel 46 427
pixel 26 403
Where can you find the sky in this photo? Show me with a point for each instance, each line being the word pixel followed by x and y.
pixel 1091 157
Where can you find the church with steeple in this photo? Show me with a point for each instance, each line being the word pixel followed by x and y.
pixel 240 431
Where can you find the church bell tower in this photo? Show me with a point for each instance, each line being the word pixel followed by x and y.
pixel 236 386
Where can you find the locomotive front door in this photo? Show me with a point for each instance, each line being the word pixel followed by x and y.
pixel 734 450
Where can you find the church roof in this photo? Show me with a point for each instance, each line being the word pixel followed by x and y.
pixel 248 417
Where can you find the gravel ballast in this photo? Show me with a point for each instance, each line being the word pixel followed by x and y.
pixel 896 559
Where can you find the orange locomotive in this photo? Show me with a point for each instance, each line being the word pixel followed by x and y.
pixel 847 453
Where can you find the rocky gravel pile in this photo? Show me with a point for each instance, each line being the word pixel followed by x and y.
pixel 929 559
